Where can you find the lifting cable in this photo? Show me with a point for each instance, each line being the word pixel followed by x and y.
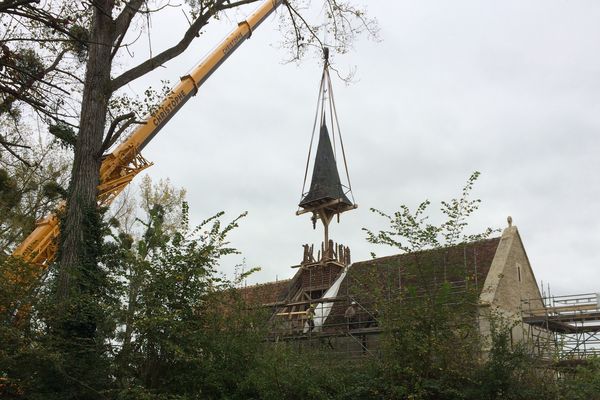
pixel 312 136
pixel 337 122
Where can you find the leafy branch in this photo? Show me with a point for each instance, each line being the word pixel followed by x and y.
pixel 411 231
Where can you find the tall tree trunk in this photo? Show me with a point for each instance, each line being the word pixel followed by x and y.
pixel 76 323
pixel 80 233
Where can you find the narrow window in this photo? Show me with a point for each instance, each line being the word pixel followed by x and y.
pixel 519 271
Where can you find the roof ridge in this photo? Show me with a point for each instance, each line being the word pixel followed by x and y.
pixel 266 283
pixel 481 241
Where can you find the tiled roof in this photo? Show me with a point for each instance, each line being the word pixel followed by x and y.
pixel 265 293
pixel 461 265
pixel 468 262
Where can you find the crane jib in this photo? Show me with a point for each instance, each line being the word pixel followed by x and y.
pixel 166 111
pixel 174 100
pixel 232 45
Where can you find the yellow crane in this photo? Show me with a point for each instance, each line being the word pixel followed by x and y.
pixel 121 165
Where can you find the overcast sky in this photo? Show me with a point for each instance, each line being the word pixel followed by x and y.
pixel 511 89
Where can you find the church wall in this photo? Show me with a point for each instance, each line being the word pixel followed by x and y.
pixel 510 281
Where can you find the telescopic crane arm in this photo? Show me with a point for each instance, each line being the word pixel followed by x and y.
pixel 121 165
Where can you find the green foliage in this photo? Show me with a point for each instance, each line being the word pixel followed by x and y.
pixel 583 382
pixel 54 190
pixel 9 195
pixel 510 371
pixel 155 321
pixel 78 44
pixel 301 371
pixel 75 308
pixel 16 288
pixel 179 324
pixel 163 198
pixel 411 232
pixel 140 105
pixel 169 279
pixel 29 192
pixel 26 65
pixel 432 347
pixel 64 133
pixel 431 344
pixel 146 322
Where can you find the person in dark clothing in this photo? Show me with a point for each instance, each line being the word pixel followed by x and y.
pixel 372 319
pixel 310 317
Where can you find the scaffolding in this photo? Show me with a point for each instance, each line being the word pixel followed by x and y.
pixel 314 315
pixel 565 329
pixel 331 327
pixel 351 337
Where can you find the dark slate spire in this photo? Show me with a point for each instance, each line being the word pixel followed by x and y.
pixel 325 185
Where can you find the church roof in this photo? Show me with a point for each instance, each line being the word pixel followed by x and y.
pixel 468 262
pixel 265 293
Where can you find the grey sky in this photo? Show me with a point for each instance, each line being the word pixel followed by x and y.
pixel 509 88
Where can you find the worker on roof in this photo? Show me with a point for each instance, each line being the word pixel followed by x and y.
pixel 351 315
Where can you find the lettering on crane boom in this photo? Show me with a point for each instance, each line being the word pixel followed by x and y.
pixel 232 43
pixel 173 100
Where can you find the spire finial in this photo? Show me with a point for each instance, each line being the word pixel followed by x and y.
pixel 509 220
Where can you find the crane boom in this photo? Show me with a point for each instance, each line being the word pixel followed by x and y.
pixel 121 165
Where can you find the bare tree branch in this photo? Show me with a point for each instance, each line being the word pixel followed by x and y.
pixel 124 19
pixel 45 19
pixel 8 4
pixel 8 146
pixel 170 53
pixel 236 4
pixel 306 24
pixel 110 140
pixel 296 32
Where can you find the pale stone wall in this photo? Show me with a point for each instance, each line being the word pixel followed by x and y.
pixel 510 281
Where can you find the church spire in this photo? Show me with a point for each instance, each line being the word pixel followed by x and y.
pixel 327 196
pixel 325 185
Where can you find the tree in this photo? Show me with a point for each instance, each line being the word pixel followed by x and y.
pixel 99 36
pixel 43 52
pixel 430 341
pixel 38 73
pixel 31 185
pixel 175 308
pixel 157 318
